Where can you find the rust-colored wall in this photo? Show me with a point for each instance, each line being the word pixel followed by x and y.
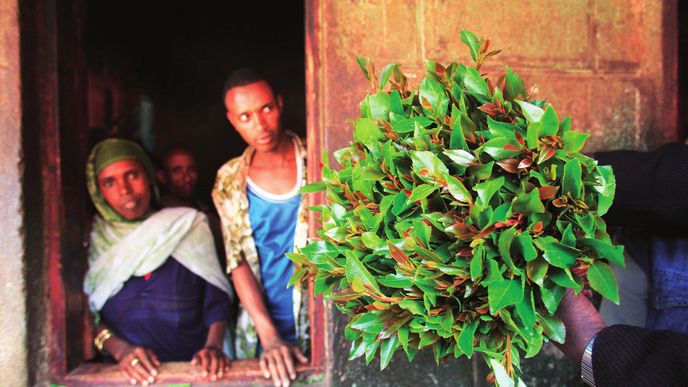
pixel 12 308
pixel 611 65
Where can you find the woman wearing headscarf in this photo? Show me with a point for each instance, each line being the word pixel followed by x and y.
pixel 154 284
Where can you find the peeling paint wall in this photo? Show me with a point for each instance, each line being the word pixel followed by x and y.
pixel 609 64
pixel 12 296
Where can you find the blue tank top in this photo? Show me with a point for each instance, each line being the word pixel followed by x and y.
pixel 273 220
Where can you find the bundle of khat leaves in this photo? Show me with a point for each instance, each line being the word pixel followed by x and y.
pixel 460 214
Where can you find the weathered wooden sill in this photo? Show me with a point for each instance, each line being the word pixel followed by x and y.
pixel 242 372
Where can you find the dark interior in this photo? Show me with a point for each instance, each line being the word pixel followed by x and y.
pixel 168 61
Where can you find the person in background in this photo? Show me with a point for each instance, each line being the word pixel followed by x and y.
pixel 178 177
pixel 263 218
pixel 153 283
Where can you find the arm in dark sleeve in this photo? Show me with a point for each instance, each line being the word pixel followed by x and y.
pixel 651 187
pixel 216 305
pixel 629 356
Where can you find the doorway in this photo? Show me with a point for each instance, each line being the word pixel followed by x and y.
pixel 151 71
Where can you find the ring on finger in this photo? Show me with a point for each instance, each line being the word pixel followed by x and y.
pixel 134 362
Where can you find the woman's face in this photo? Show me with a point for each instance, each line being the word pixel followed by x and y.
pixel 126 188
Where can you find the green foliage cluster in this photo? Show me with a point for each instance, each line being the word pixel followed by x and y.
pixel 461 213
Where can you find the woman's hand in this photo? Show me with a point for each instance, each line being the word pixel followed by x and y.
pixel 214 363
pixel 138 363
pixel 277 361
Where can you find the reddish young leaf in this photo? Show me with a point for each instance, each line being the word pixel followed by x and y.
pixel 548 192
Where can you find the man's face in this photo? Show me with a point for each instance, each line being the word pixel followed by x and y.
pixel 126 188
pixel 255 112
pixel 180 175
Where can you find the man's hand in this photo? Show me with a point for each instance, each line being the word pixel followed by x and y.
pixel 214 363
pixel 277 361
pixel 138 363
pixel 582 322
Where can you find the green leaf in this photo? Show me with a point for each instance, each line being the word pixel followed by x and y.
pixel 602 280
pixel 605 250
pixel 503 293
pixel 415 307
pixel 550 122
pixel 477 263
pixel 564 278
pixel 533 135
pixel 427 339
pixel 495 148
pixel 586 223
pixel 357 349
pixel 513 86
pixel 487 189
pixel 476 85
pixel 371 347
pixel 567 237
pixel 504 247
pixel 553 328
pixel 531 112
pixel 525 245
pixel 457 139
pixel 481 171
pixel 500 129
pixel 385 74
pixel 380 105
pixel 317 186
pixel 536 270
pixel 466 338
pixel 368 323
pixel 528 203
pixel 433 92
pixel 337 234
pixel 606 188
pixel 367 131
pixel 526 311
pixel 387 350
pixel 501 377
pixel 421 192
pixel 427 166
pixel 574 141
pixel 458 190
pixel 372 241
pixel 460 156
pixel 551 297
pixel 363 63
pixel 571 183
pixel 560 255
pixel 469 39
pixel 396 281
pixel 358 276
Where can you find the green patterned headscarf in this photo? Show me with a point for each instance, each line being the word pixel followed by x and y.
pixel 105 153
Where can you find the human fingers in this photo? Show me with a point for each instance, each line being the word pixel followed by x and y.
pixel 214 366
pixel 227 363
pixel 264 366
pixel 140 371
pixel 299 355
pixel 154 360
pixel 288 362
pixel 145 364
pixel 134 369
pixel 125 366
pixel 284 365
pixel 272 367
